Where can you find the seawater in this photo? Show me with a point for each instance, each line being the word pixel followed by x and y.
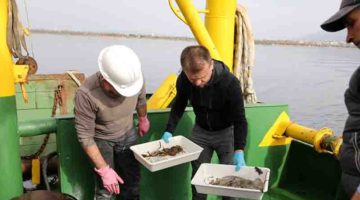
pixel 311 80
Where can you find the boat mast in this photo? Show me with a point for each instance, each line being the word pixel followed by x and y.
pixel 10 167
pixel 217 34
pixel 220 23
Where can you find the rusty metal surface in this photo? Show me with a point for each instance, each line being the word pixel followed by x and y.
pixel 28 61
pixel 44 195
pixel 39 77
pixel 50 95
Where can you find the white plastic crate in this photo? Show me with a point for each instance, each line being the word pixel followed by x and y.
pixel 191 152
pixel 207 171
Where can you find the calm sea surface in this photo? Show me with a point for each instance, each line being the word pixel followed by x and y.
pixel 311 80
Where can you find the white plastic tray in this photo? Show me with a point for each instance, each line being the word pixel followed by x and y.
pixel 191 152
pixel 205 171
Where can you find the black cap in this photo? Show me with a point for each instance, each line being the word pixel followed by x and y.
pixel 336 22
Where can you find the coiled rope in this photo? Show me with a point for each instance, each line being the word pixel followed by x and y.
pixel 244 54
pixel 15 32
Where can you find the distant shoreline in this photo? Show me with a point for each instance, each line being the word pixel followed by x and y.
pixel 307 43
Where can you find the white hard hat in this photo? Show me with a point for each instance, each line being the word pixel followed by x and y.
pixel 121 67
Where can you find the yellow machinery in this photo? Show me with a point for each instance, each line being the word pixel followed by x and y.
pixel 284 130
pixel 323 140
pixel 164 95
pixel 216 34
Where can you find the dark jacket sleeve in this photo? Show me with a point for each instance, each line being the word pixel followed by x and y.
pixel 238 114
pixel 179 104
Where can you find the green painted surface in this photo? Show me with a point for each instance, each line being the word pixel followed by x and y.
pixel 308 175
pixel 22 105
pixel 174 183
pixel 75 170
pixel 36 127
pixel 40 94
pixel 10 168
pixel 30 149
pixel 171 183
pixel 32 134
pixel 260 118
pixel 40 89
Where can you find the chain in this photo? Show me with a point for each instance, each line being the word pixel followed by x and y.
pixel 57 101
pixel 41 149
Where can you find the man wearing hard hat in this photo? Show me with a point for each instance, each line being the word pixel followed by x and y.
pixel 348 17
pixel 104 107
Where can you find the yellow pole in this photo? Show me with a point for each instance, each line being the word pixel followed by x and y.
pixel 197 27
pixel 323 140
pixel 301 133
pixel 10 164
pixel 7 86
pixel 220 23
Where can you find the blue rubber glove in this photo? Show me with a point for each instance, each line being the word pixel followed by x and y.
pixel 166 136
pixel 239 160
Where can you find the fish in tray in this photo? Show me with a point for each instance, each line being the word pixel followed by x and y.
pixel 163 153
pixel 237 182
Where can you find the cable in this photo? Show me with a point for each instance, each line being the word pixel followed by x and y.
pixel 44 166
pixel 29 27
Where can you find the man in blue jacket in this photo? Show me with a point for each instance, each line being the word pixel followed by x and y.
pixel 349 17
pixel 217 100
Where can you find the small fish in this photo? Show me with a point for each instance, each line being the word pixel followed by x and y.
pixel 258 170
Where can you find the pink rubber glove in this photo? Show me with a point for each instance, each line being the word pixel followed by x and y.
pixel 110 179
pixel 144 125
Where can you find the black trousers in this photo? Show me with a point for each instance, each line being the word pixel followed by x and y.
pixel 350 162
pixel 119 157
pixel 222 142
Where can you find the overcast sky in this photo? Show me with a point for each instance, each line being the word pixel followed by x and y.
pixel 271 19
